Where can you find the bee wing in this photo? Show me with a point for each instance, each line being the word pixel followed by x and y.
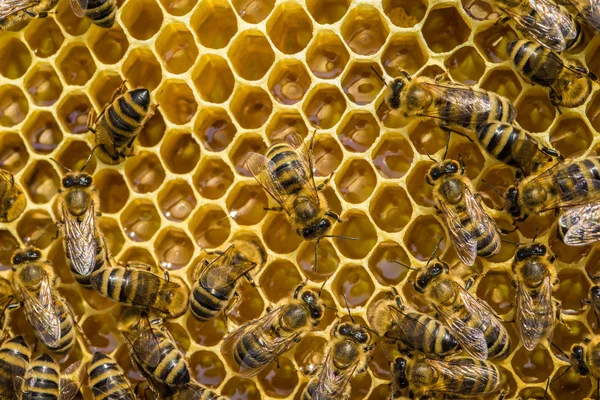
pixel 41 313
pixel 590 11
pixel 332 382
pixel 148 285
pixel 306 160
pixel 79 7
pixel 535 315
pixel 81 241
pixel 9 7
pixel 216 274
pixel 70 381
pixel 144 343
pixel 261 168
pixel 461 370
pixel 582 225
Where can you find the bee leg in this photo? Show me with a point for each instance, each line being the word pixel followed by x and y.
pixel 325 182
pixel 559 316
pixel 469 282
pixel 441 77
pixel 166 273
pixel 501 20
pixel 91 118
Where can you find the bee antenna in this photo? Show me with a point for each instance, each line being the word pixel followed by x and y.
pixel 348 308
pixel 447 147
pixel 331 308
pixel 380 105
pixel 62 166
pixel 557 378
pixel 428 155
pixel 88 159
pixel 437 246
pixel 511 242
pixel 370 330
pixel 34 242
pixel 559 349
pixel 378 75
pixel 322 286
pixel 340 237
pixel 405 265
pixel 492 187
pixel 537 231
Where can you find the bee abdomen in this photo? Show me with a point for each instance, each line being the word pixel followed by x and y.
pixel 125 116
pixel 102 12
pixel 487 381
pixel 107 379
pixel 497 139
pixel 46 383
pixel 172 369
pixel 206 304
pixel 249 353
pixel 498 342
pixel 12 354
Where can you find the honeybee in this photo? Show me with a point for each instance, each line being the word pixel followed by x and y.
pixel 287 174
pixel 570 84
pixel 119 123
pixel 134 284
pixel 454 105
pixel 515 147
pixel 215 281
pixel 535 280
pixel 107 379
pixel 14 11
pixel 348 354
pixel 83 243
pixel 472 321
pixel 417 331
pixel 46 310
pixel 462 377
pixel 580 226
pixel 14 360
pixel 567 184
pixel 100 12
pixel 585 357
pixel 589 10
pixel 12 199
pixel 44 381
pixel 549 24
pixel 256 344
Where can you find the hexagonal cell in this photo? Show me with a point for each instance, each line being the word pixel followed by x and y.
pixel 496 289
pixel 566 335
pixel 180 152
pixel 324 106
pixel 17 58
pixel 500 177
pixel 422 236
pixel 536 113
pixel 73 112
pixel 141 69
pixel 176 47
pixel 242 149
pixel 405 13
pixel 361 385
pixel 140 220
pixel 249 307
pixel 364 30
pixel 213 178
pixel 536 224
pixel 533 366
pixel 144 172
pixel 393 157
pixel 327 257
pixel 327 11
pixel 241 387
pixel 279 234
pixel 173 248
pixel 71 23
pixel 139 254
pixel 181 110
pixel 279 381
pixel 153 130
pixel 428 137
pixel 207 333
pixel 247 202
pixel 356 180
pixel 40 181
pixel 213 78
pixel 104 86
pixel 74 154
pixel 214 128
pixel 327 155
pixel 13 105
pixel 492 41
pixel 142 18
pixel 383 266
pixel 36 226
pixel 358 131
pixel 76 64
pixel 251 106
pixel 309 353
pixel 289 81
pixel 112 190
pixel 357 225
pixel 470 153
pixel 251 55
pixel 43 85
pixel 361 84
pixel 176 200
pixel 290 28
pixel 108 45
pixel 44 37
pixel 465 65
pixel 284 123
pixel 210 226
pixel 445 29
pixel 279 279
pixel 178 8
pixel 214 23
pixel 13 152
pixel 391 208
pixel 8 244
pixel 355 283
pixel 571 135
pixel 571 385
pixel 109 228
pixel 421 193
pixel 404 52
pixel 208 367
pixel 573 288
pixel 327 56
pixel 504 82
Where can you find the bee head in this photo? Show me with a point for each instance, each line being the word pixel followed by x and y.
pixel 315 231
pixel 352 331
pixel 440 169
pixel 315 307
pixel 577 360
pixel 28 254
pixel 396 88
pixel 72 179
pixel 429 274
pixel 511 202
pixel 534 250
pixel 399 370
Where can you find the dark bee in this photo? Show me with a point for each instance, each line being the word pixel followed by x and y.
pixel 14 11
pixel 100 12
pixel 44 381
pixel 257 343
pixel 12 198
pixel 107 379
pixel 119 123
pixel 14 361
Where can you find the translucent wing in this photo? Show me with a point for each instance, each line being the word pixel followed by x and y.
pixel 218 272
pixel 80 240
pixel 535 314
pixel 70 381
pixel 332 382
pixel 10 7
pixel 464 370
pixel 581 225
pixel 79 7
pixel 590 11
pixel 41 313
pixel 144 343
pixel 305 157
pixel 150 291
pixel 261 167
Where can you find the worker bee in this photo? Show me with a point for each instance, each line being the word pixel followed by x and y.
pixel 567 184
pixel 515 147
pixel 134 284
pixel 459 377
pixel 12 198
pixel 589 10
pixel 44 381
pixel 580 226
pixel 585 358
pixel 549 24
pixel 107 379
pixel 570 84
pixel 84 245
pixel 14 11
pixel 14 360
pixel 46 310
pixel 417 331
pixel 454 105
pixel 287 174
pixel 472 321
pixel 215 281
pixel 100 12
pixel 119 123
pixel 535 280
pixel 254 345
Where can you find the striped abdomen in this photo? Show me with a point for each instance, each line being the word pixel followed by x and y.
pixel 102 12
pixel 107 379
pixel 289 171
pixel 496 337
pixel 579 180
pixel 537 63
pixel 471 380
pixel 42 380
pixel 469 108
pixel 426 334
pixel 67 332
pixel 126 285
pixel 14 357
pixel 171 368
pixel 206 303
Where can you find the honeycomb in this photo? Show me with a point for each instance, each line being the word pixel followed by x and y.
pixel 233 77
